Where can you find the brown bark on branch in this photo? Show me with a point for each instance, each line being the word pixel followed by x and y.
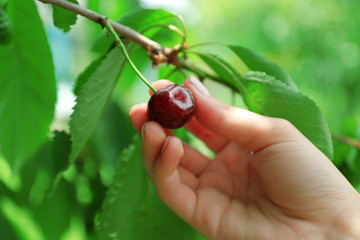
pixel 157 52
pixel 347 140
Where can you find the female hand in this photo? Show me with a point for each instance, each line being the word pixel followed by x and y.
pixel 267 180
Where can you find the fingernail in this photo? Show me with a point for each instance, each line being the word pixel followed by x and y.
pixel 165 144
pixel 142 134
pixel 199 86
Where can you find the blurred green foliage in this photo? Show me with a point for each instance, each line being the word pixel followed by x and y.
pixel 316 42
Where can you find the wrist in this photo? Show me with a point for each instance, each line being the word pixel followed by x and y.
pixel 347 225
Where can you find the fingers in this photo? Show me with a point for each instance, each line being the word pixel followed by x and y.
pixel 162 155
pixel 212 140
pixel 154 137
pixel 178 196
pixel 244 127
pixel 192 160
pixel 160 84
pixel 138 115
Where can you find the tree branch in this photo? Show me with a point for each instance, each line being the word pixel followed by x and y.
pixel 347 140
pixel 157 52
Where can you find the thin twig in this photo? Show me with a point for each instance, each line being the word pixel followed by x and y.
pixel 347 140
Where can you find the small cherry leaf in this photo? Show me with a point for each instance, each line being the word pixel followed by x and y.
pixel 92 99
pixel 225 72
pixel 259 63
pixel 64 18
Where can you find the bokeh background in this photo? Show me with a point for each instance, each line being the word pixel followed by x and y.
pixel 316 41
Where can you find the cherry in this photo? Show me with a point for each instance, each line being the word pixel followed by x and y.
pixel 172 106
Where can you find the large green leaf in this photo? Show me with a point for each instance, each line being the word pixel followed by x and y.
pixel 3 3
pixel 63 18
pixel 223 70
pixel 137 19
pixel 132 209
pixel 5 28
pixel 257 62
pixel 92 99
pixel 27 84
pixel 86 74
pixel 268 96
pixel 280 100
pixel 61 148
pixel 141 18
pixel 226 74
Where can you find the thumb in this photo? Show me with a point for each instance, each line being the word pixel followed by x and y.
pixel 239 125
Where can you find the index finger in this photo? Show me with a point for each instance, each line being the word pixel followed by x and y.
pixel 212 140
pixel 239 125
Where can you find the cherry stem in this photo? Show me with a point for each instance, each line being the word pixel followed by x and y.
pixel 120 44
pixel 182 22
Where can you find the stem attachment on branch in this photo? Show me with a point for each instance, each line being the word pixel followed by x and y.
pixel 157 53
pixel 123 49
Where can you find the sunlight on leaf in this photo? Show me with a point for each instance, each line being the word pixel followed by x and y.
pixel 27 85
pixel 75 231
pixel 21 219
pixel 268 96
pixel 10 179
pixel 257 62
pixel 63 18
pixel 280 100
pixel 92 99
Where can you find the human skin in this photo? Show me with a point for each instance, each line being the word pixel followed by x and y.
pixel 267 181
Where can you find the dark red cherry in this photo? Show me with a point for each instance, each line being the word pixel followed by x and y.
pixel 172 106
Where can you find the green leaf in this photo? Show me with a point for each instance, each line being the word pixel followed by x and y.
pixel 86 74
pixel 3 3
pixel 257 62
pixel 226 74
pixel 5 28
pixel 104 142
pixel 345 153
pixel 61 148
pixel 64 18
pixel 223 70
pixel 141 18
pixel 21 220
pixel 132 209
pixel 27 85
pixel 268 96
pixel 277 99
pixel 7 232
pixel 92 99
pixel 137 19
